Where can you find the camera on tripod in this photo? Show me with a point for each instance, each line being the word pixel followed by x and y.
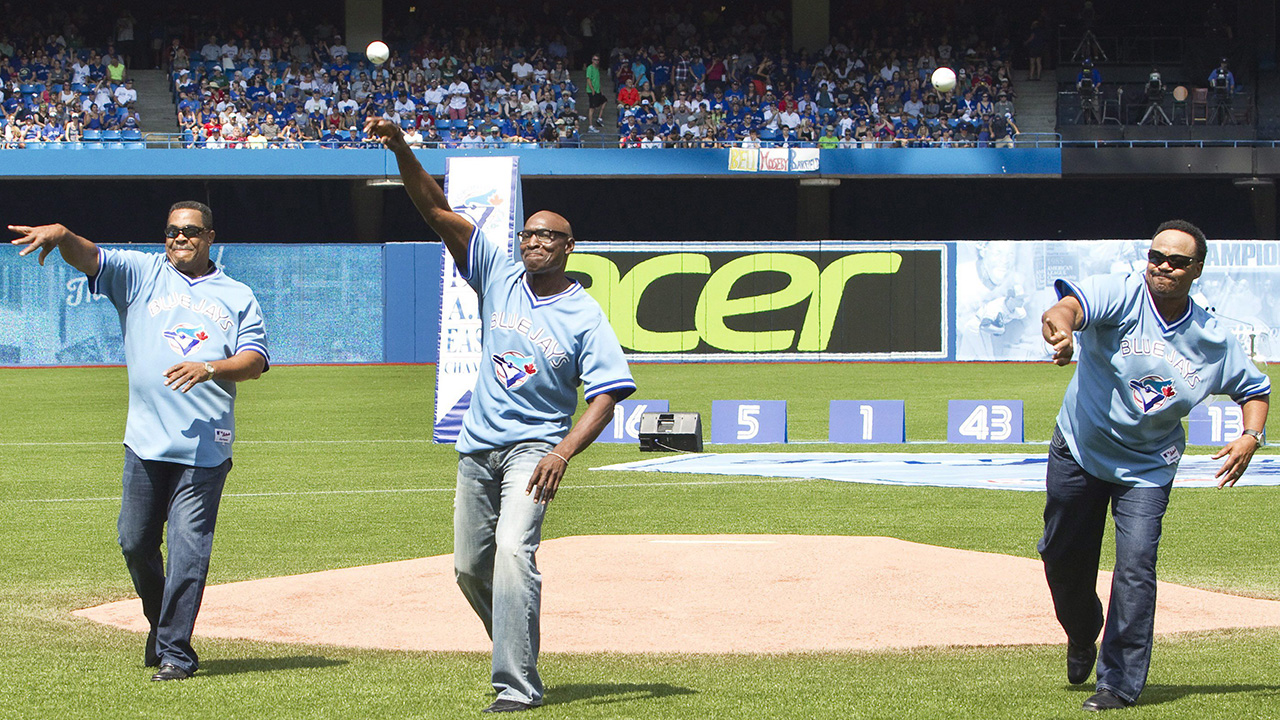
pixel 1155 87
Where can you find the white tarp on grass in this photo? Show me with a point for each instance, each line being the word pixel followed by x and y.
pixel 1006 471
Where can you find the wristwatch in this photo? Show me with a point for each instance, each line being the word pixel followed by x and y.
pixel 208 367
pixel 1256 435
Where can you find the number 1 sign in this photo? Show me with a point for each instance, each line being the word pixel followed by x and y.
pixel 866 421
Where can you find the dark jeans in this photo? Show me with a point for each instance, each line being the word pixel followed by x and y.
pixel 1075 515
pixel 187 498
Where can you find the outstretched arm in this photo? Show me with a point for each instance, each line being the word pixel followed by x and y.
pixel 426 193
pixel 77 251
pixel 551 469
pixel 1056 325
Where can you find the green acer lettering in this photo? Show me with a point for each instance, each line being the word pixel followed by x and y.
pixel 621 296
pixel 714 305
pixel 820 320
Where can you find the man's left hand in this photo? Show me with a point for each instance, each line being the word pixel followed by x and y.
pixel 185 375
pixel 546 478
pixel 1238 453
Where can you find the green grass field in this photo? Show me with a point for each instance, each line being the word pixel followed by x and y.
pixel 333 470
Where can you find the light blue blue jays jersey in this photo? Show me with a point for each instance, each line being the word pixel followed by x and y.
pixel 535 353
pixel 167 318
pixel 1138 376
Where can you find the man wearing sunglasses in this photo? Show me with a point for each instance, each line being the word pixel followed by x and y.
pixel 190 334
pixel 1149 354
pixel 541 337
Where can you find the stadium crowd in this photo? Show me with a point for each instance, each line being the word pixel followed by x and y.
pixel 677 80
pixel 55 86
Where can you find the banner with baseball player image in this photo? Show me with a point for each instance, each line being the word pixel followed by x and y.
pixel 1002 287
pixel 487 191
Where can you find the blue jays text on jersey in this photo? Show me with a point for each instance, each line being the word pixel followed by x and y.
pixel 209 308
pixel 539 337
pixel 1158 348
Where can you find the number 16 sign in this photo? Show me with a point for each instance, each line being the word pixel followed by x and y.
pixel 984 421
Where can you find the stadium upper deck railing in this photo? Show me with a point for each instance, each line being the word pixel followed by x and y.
pixel 598 141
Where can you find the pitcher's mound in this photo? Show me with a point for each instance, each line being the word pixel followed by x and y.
pixel 691 594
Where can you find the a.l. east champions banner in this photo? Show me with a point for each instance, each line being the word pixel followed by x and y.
pixel 763 301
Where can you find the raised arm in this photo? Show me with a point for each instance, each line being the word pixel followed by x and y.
pixel 78 252
pixel 1056 325
pixel 426 193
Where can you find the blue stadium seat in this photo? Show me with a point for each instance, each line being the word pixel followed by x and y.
pixel 92 135
pixel 134 145
pixel 111 139
pixel 131 134
pixel 343 135
pixel 80 87
pixel 35 146
pixel 443 125
pixel 458 124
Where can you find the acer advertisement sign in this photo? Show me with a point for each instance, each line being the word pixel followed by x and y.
pixel 771 301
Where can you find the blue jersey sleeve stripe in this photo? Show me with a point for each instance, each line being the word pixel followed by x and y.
pixel 254 347
pixel 93 279
pixel 471 253
pixel 1249 393
pixel 1065 288
pixel 611 386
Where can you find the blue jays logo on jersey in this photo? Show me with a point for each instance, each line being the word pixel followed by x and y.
pixel 185 337
pixel 1151 391
pixel 514 368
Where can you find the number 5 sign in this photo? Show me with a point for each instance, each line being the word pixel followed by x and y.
pixel 984 421
pixel 748 421
pixel 625 425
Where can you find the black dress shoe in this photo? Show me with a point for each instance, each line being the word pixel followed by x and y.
pixel 169 671
pixel 1080 661
pixel 1104 700
pixel 149 657
pixel 504 705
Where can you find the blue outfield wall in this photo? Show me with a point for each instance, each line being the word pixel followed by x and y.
pixel 534 162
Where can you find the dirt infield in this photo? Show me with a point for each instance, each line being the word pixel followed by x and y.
pixel 691 594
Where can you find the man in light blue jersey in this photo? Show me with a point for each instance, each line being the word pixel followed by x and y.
pixel 542 336
pixel 1148 355
pixel 190 334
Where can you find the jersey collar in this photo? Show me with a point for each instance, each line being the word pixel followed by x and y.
pixel 194 281
pixel 1167 326
pixel 541 301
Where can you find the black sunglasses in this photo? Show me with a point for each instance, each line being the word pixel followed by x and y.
pixel 190 231
pixel 1177 262
pixel 542 233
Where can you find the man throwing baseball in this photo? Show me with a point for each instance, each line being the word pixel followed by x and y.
pixel 1149 355
pixel 542 336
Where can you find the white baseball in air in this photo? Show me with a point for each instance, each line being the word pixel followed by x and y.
pixel 944 79
pixel 378 52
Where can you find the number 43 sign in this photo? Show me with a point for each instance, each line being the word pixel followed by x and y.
pixel 984 421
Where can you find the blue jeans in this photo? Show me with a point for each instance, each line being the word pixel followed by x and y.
pixel 496 531
pixel 1075 515
pixel 187 498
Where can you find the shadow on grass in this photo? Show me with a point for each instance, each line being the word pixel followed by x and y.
pixel 1156 694
pixel 236 666
pixel 607 693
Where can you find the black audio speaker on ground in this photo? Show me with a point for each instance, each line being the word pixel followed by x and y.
pixel 671 431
